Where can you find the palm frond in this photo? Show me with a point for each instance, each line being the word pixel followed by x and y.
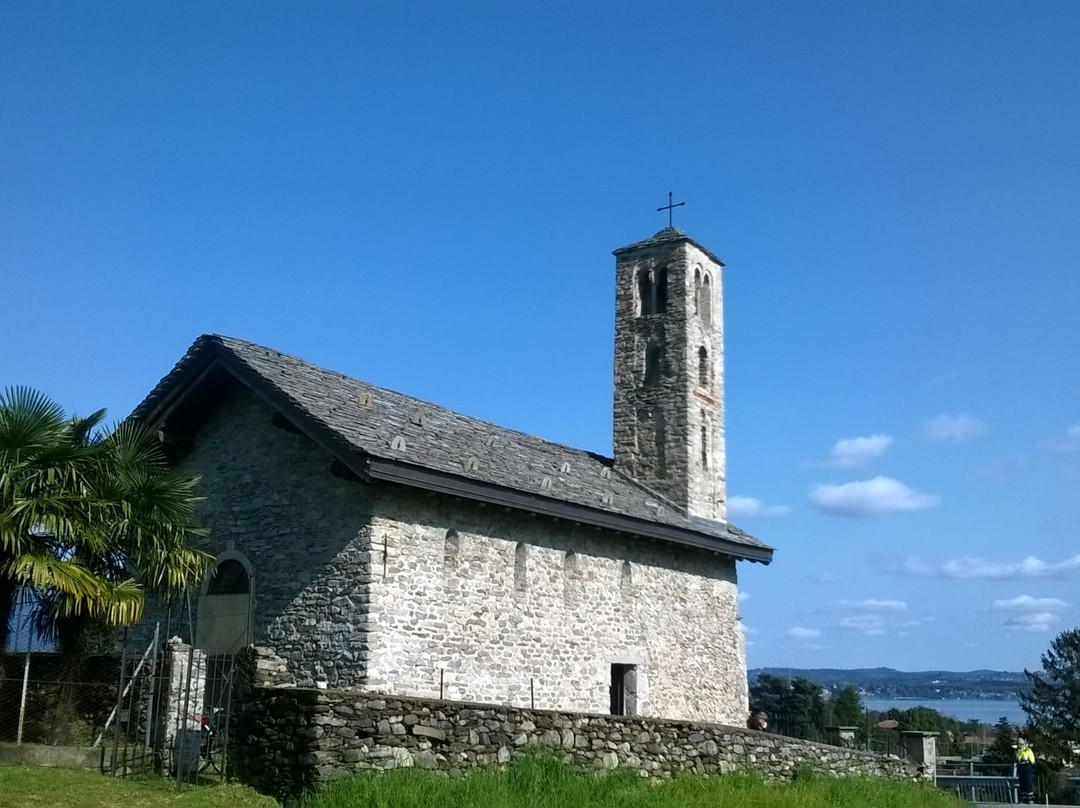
pixel 88 516
pixel 29 420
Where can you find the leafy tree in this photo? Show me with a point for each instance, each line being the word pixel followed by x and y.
pixel 795 708
pixel 847 708
pixel 806 706
pixel 921 719
pixel 1001 751
pixel 769 694
pixel 90 520
pixel 1053 705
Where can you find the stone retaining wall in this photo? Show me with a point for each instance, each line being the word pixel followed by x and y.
pixel 285 740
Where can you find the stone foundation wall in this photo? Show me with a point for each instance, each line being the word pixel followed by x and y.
pixel 287 740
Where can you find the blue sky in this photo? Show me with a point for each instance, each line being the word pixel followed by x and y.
pixel 426 196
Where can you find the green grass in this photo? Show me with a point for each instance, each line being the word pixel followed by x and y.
pixel 40 787
pixel 545 782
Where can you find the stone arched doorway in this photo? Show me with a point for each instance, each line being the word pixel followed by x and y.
pixel 223 623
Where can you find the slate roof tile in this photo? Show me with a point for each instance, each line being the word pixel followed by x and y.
pixel 382 423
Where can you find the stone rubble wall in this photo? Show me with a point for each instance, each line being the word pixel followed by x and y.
pixel 271 496
pixel 481 605
pixel 287 740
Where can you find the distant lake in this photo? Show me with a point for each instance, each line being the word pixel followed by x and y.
pixel 988 711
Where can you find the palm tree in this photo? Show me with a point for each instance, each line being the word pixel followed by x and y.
pixel 91 521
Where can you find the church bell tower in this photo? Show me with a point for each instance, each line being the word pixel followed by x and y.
pixel 669 371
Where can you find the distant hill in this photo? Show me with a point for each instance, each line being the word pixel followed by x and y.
pixel 888 683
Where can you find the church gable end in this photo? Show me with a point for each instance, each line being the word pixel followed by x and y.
pixel 272 496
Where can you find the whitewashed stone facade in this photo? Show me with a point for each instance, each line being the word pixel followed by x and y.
pixel 398 547
pixel 520 611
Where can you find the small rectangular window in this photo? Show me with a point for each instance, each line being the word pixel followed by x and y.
pixel 623 689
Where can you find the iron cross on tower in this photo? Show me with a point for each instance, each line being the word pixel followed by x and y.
pixel 668 207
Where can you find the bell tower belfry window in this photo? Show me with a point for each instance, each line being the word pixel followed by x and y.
pixel 652 286
pixel 669 352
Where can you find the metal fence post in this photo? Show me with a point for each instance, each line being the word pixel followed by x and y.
pixel 119 706
pixel 153 671
pixel 230 683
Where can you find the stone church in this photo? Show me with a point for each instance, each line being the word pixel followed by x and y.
pixel 377 541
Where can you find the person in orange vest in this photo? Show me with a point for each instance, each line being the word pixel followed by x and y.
pixel 1025 771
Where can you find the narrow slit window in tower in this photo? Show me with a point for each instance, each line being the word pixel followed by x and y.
pixel 705 301
pixel 660 433
pixel 704 444
pixel 652 364
pixel 697 291
pixel 703 366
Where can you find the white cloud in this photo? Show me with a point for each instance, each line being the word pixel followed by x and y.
pixel 1026 603
pixel 1067 442
pixel 870 498
pixel 740 507
pixel 880 605
pixel 828 577
pixel 743 596
pixel 980 568
pixel 864 623
pixel 851 452
pixel 748 629
pixel 1037 621
pixel 955 428
pixel 800 633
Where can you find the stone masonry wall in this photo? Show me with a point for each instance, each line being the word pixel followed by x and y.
pixel 480 604
pixel 287 740
pixel 270 495
pixel 660 425
pixel 423 595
